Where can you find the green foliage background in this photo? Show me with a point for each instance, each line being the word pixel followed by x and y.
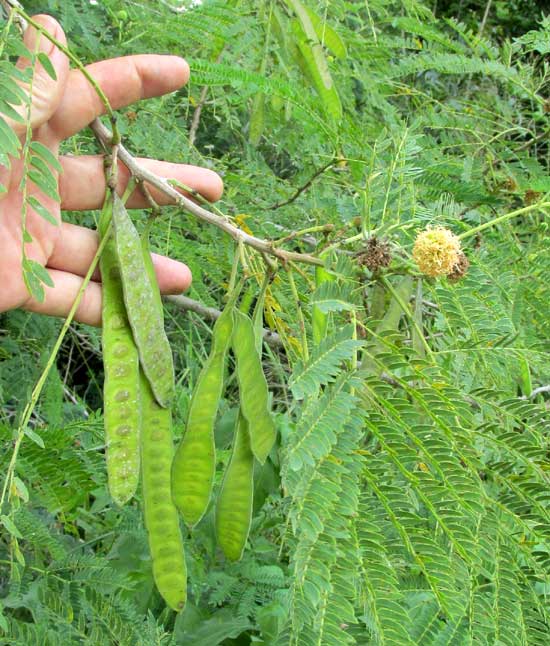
pixel 408 502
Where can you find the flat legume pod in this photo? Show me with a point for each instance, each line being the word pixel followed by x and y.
pixel 150 270
pixel 194 465
pixel 161 516
pixel 121 365
pixel 253 391
pixel 147 326
pixel 234 504
pixel 169 568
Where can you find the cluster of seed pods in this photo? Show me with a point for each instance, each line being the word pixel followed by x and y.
pixel 194 465
pixel 138 391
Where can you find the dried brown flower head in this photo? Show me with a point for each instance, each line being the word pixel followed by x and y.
pixel 376 255
pixel 510 184
pixel 436 251
pixel 530 196
pixel 460 269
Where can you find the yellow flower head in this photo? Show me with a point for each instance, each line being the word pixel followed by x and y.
pixel 436 251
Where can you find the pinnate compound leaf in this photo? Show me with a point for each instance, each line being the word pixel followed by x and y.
pixel 40 272
pixel 321 422
pixel 7 109
pixel 324 363
pixel 331 297
pixel 33 285
pixel 9 143
pixel 46 183
pixel 42 210
pixel 314 58
pixel 47 155
pixel 35 276
pixel 47 65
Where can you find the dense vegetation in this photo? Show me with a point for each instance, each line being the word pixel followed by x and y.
pixel 407 498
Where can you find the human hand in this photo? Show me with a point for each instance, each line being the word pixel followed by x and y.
pixel 60 109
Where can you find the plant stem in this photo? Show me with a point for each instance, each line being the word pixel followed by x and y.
pixel 325 228
pixel 200 198
pixel 31 404
pixel 381 230
pixel 212 314
pixel 503 218
pixel 164 186
pixel 302 188
pixel 484 19
pixel 404 306
pixel 26 159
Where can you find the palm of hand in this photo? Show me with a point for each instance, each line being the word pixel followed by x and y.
pixel 45 236
pixel 60 109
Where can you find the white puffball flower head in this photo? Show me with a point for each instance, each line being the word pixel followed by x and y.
pixel 436 251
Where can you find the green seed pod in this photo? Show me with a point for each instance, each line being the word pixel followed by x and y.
pixel 147 326
pixel 194 465
pixel 161 516
pixel 253 391
pixel 234 504
pixel 121 387
pixel 150 270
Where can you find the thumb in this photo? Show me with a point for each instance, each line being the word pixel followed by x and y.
pixel 46 91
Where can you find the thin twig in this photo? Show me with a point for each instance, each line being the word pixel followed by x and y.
pixel 323 228
pixel 535 140
pixel 197 115
pixel 172 8
pixel 302 188
pixel 163 185
pixel 212 314
pixel 72 398
pixel 537 391
pixel 198 110
pixel 109 139
pixel 484 19
pixel 503 218
pixel 307 239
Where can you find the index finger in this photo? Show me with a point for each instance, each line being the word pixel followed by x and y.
pixel 124 81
